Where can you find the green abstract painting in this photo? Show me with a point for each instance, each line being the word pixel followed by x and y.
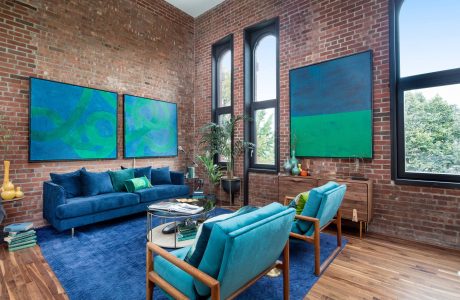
pixel 70 122
pixel 150 127
pixel 331 108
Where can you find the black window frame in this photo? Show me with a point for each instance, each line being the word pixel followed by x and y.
pixel 218 48
pixel 397 88
pixel 252 35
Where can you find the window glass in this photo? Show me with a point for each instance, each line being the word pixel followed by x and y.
pixel 224 78
pixel 265 136
pixel 428 36
pixel 432 130
pixel 224 118
pixel 265 74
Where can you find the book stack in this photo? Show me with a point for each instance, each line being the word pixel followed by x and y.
pixel 186 232
pixel 198 194
pixel 20 236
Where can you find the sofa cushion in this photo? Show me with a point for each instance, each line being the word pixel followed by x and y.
pixel 161 176
pixel 118 179
pixel 312 206
pixel 137 184
pixel 141 172
pixel 169 272
pixel 160 192
pixel 81 206
pixel 95 183
pixel 69 181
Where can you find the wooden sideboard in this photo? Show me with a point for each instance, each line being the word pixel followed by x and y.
pixel 358 196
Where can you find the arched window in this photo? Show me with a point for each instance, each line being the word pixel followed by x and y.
pixel 222 82
pixel 426 91
pixel 262 90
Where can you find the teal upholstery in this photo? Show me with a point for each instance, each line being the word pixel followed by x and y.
pixel 182 280
pixel 239 249
pixel 313 204
pixel 330 203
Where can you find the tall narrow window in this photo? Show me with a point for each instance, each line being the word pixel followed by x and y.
pixel 262 93
pixel 426 91
pixel 222 82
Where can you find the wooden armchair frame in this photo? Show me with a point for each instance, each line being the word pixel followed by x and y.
pixel 315 239
pixel 153 278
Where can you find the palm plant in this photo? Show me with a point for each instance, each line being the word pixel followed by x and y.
pixel 212 169
pixel 216 139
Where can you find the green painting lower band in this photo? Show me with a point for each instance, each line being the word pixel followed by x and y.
pixel 347 134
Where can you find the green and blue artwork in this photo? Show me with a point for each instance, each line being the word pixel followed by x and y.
pixel 331 107
pixel 150 127
pixel 69 122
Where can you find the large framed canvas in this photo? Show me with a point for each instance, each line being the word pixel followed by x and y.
pixel 331 108
pixel 150 127
pixel 70 122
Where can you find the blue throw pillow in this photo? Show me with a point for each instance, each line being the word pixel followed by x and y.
pixel 161 176
pixel 70 182
pixel 95 183
pixel 141 172
pixel 196 252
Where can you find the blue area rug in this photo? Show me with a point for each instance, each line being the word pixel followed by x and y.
pixel 107 261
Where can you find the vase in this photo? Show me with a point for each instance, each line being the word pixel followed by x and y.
pixel 7 188
pixel 287 166
pixel 19 193
pixel 294 160
pixel 295 171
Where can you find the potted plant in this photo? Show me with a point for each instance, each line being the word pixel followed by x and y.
pixel 212 170
pixel 217 140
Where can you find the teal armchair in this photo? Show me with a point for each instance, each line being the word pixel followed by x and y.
pixel 239 251
pixel 322 209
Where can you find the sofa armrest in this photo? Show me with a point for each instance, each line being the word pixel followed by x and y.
pixel 177 178
pixel 53 196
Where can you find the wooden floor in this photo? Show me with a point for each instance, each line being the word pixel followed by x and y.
pixel 372 268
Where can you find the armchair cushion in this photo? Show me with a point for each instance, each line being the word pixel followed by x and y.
pixel 69 181
pixel 312 206
pixel 213 254
pixel 161 176
pixel 172 274
pixel 196 252
pixel 95 183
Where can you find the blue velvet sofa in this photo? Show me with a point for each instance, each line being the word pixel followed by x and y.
pixel 64 211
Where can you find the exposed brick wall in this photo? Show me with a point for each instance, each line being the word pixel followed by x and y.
pixel 310 32
pixel 142 48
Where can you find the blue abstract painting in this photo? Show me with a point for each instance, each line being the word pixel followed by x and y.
pixel 331 107
pixel 69 122
pixel 150 127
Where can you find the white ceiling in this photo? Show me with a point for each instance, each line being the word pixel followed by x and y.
pixel 194 7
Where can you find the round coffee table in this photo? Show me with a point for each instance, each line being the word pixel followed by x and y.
pixel 167 217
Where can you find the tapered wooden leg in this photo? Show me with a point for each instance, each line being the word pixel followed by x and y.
pixel 286 271
pixel 317 250
pixel 360 229
pixel 149 268
pixel 339 228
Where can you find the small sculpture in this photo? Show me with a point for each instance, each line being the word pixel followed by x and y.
pixel 19 193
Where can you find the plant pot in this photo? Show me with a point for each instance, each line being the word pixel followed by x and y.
pixel 231 186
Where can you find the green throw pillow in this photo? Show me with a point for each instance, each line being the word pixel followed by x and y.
pixel 137 184
pixel 119 177
pixel 303 198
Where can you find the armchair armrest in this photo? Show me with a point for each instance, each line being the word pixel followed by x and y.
pixel 177 178
pixel 287 200
pixel 209 281
pixel 306 218
pixel 53 196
